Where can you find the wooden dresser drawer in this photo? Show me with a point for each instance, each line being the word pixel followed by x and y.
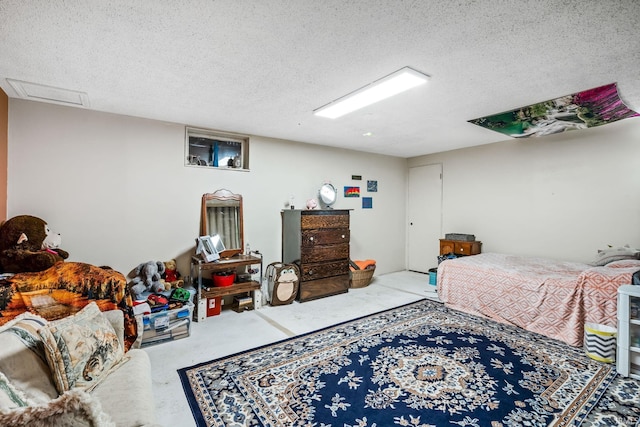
pixel 324 237
pixel 325 253
pixel 324 287
pixel 467 248
pixel 447 247
pixel 324 221
pixel 323 269
pixel 460 247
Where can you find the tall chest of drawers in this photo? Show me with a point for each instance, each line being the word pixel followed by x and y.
pixel 318 242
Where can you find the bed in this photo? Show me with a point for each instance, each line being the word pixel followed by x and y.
pixel 550 297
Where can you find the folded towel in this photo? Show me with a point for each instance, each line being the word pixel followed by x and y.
pixel 362 265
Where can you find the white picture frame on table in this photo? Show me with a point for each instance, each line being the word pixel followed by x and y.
pixel 209 247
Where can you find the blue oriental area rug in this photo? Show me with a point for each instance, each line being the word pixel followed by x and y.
pixel 419 365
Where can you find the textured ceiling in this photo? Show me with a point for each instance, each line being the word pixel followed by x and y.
pixel 262 67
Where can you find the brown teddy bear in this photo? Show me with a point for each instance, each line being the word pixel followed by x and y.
pixel 171 275
pixel 27 245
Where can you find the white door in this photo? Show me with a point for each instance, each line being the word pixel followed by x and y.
pixel 425 217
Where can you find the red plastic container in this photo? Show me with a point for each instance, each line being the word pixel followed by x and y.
pixel 223 279
pixel 213 306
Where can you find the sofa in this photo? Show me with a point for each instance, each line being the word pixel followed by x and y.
pixel 73 372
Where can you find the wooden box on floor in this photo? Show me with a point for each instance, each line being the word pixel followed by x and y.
pixel 166 325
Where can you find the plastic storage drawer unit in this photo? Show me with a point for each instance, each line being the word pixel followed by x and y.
pixel 166 325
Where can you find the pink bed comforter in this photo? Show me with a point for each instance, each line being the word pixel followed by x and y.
pixel 550 297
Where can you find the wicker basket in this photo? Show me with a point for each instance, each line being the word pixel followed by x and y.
pixel 361 278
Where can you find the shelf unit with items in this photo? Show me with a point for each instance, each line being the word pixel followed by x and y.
pixel 628 357
pixel 235 264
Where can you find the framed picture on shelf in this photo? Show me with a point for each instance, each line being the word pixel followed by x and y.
pixel 209 247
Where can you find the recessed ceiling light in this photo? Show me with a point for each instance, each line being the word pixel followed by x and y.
pixel 367 134
pixel 38 92
pixel 393 84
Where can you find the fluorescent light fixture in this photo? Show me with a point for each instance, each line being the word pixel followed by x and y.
pixel 393 84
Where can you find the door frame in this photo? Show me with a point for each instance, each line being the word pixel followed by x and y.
pixel 437 231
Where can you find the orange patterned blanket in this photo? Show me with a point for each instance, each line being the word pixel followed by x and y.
pixel 553 298
pixel 63 290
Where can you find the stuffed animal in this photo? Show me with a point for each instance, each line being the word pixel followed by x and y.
pixel 171 276
pixel 148 277
pixel 28 245
pixel 312 204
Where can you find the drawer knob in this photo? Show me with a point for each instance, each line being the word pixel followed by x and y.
pixel 343 236
pixel 310 272
pixel 311 238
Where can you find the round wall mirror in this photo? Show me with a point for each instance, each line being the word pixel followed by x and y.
pixel 327 195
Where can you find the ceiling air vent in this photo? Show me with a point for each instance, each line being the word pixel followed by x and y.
pixel 38 92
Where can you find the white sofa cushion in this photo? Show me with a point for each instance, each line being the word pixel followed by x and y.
pixel 81 349
pixel 126 394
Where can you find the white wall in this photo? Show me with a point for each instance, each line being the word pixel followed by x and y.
pixel 561 196
pixel 117 190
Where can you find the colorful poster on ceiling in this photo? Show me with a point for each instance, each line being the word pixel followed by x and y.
pixel 589 108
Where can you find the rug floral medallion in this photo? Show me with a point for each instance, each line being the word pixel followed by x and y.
pixel 419 365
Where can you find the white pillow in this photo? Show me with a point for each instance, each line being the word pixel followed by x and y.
pixel 605 256
pixel 22 358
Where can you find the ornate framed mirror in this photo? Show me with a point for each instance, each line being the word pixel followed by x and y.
pixel 222 215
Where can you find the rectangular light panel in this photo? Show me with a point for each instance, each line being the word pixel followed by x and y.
pixel 393 84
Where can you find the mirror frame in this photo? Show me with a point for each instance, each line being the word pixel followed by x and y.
pixel 327 195
pixel 223 195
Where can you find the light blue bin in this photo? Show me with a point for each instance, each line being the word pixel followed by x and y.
pixel 433 276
